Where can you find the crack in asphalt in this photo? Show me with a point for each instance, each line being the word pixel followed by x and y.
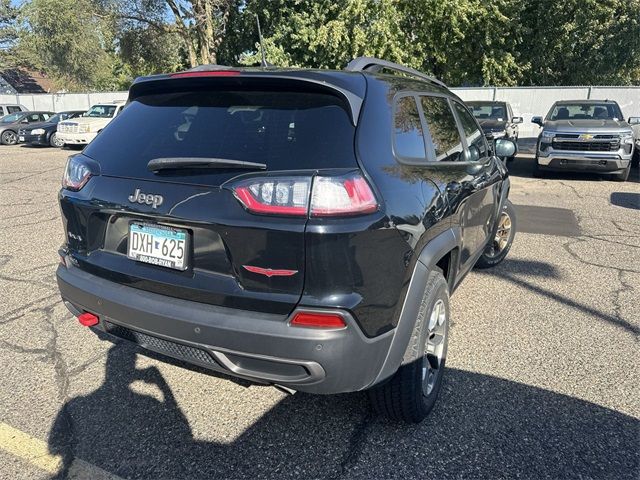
pixel 30 176
pixel 356 444
pixel 567 247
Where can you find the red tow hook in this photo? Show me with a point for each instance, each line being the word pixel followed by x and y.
pixel 88 319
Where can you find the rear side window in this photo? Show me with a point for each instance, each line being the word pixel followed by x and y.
pixel 443 129
pixel 285 130
pixel 408 138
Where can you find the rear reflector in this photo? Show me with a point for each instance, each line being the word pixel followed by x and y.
pixel 318 320
pixel 212 73
pixel 88 319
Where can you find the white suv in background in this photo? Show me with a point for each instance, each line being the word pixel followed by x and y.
pixel 82 130
pixel 8 108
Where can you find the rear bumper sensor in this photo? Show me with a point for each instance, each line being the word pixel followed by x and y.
pixel 251 366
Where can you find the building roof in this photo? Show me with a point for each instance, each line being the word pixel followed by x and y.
pixel 22 80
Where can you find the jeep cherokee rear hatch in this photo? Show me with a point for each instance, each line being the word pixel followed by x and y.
pixel 201 188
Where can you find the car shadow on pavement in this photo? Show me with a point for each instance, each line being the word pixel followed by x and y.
pixel 482 427
pixel 626 200
pixel 509 269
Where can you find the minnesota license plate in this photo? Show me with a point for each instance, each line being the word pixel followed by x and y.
pixel 158 245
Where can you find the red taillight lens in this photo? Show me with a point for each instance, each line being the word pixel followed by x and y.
pixel 88 319
pixel 318 320
pixel 330 196
pixel 276 196
pixel 211 73
pixel 77 173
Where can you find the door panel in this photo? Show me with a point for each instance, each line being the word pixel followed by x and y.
pixel 467 173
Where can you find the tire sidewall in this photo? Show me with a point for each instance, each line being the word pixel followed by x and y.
pixel 2 138
pixel 52 140
pixel 439 291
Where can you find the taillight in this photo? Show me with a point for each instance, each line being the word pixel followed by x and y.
pixel 78 171
pixel 348 195
pixel 318 320
pixel 299 196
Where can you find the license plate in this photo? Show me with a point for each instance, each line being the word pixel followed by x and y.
pixel 21 139
pixel 158 245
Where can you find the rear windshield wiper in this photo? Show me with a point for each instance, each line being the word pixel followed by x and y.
pixel 172 163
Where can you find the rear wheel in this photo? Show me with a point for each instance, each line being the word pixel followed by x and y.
pixel 9 137
pixel 499 246
pixel 412 391
pixel 54 141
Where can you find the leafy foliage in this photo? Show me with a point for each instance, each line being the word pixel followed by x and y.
pixel 100 44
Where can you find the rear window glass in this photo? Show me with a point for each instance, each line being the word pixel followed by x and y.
pixel 285 130
pixel 408 134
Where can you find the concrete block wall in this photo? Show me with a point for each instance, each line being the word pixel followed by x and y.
pixel 525 101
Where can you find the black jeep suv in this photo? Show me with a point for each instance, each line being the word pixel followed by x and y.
pixel 302 228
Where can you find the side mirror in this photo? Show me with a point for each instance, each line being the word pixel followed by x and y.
pixel 505 148
pixel 474 154
pixel 537 120
pixel 517 120
pixel 24 120
pixel 634 121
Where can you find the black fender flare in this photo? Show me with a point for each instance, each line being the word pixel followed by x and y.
pixel 433 251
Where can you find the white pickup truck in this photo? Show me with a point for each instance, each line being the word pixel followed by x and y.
pixel 635 125
pixel 82 130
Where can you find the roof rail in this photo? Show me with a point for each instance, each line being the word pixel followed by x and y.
pixel 372 64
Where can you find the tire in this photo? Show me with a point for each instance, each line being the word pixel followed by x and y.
pixel 624 175
pixel 410 394
pixel 500 245
pixel 9 137
pixel 54 141
pixel 537 171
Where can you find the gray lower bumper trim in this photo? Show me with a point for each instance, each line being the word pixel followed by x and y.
pixel 255 345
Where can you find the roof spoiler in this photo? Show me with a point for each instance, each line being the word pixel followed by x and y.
pixel 372 64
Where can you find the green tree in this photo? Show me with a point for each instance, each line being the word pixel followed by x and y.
pixel 8 31
pixel 327 34
pixel 582 42
pixel 470 42
pixel 69 40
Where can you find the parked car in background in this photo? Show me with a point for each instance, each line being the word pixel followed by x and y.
pixel 45 133
pixel 635 126
pixel 226 219
pixel 10 124
pixel 7 108
pixel 496 120
pixel 82 130
pixel 585 135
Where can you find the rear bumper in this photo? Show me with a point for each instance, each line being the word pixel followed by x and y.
pixel 76 138
pixel 253 345
pixel 605 162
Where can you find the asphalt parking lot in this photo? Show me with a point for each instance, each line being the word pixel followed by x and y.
pixel 542 382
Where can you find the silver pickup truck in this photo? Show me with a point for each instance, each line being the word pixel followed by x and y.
pixel 585 135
